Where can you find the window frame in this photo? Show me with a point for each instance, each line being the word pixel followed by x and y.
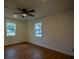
pixel 10 35
pixel 36 31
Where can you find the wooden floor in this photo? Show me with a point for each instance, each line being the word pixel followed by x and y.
pixel 29 51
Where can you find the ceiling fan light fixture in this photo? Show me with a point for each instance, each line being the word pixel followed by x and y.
pixel 24 14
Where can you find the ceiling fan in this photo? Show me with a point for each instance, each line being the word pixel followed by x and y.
pixel 24 12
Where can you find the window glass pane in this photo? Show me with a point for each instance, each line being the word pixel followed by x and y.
pixel 11 29
pixel 38 30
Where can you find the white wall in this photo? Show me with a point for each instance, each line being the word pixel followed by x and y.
pixel 20 32
pixel 58 32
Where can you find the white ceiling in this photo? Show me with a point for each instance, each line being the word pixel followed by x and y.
pixel 42 7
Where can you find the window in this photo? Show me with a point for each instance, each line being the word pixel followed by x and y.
pixel 11 29
pixel 38 29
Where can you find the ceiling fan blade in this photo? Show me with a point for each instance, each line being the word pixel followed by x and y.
pixel 31 11
pixel 30 15
pixel 19 9
pixel 18 13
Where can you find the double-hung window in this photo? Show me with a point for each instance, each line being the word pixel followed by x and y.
pixel 38 29
pixel 10 29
